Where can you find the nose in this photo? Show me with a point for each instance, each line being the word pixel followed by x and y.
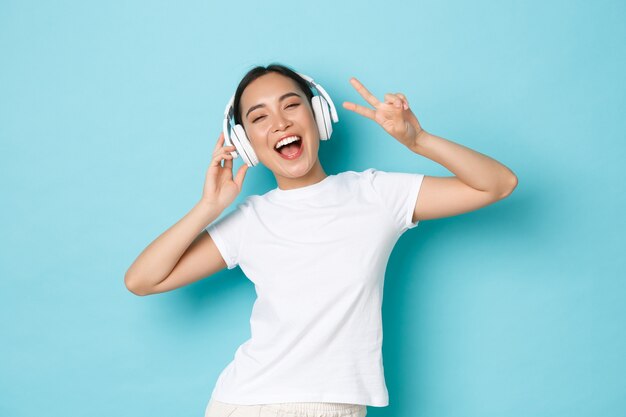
pixel 281 123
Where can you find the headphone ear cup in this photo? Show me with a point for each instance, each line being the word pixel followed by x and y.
pixel 321 110
pixel 242 144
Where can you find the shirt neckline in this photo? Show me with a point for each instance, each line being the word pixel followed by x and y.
pixel 301 192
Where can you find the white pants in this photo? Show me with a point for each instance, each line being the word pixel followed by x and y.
pixel 310 409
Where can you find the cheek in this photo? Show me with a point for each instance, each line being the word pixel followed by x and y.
pixel 258 141
pixel 254 134
pixel 312 122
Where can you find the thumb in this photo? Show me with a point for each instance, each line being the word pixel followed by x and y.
pixel 241 174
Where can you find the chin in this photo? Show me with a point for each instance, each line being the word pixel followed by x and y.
pixel 297 170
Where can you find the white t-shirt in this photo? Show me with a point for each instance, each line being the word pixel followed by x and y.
pixel 317 257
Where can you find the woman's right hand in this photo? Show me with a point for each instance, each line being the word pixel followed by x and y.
pixel 219 187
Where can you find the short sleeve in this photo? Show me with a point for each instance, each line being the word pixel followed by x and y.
pixel 228 233
pixel 398 192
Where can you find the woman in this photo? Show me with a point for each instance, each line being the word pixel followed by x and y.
pixel 316 246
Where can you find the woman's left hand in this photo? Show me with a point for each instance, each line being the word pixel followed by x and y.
pixel 393 115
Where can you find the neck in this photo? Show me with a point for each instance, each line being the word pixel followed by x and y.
pixel 315 175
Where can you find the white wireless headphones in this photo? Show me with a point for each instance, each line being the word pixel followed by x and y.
pixel 323 109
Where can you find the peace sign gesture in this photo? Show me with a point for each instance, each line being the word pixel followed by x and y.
pixel 393 115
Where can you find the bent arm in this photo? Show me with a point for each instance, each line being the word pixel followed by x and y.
pixel 158 261
pixel 479 181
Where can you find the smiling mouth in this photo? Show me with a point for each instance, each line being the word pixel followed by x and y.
pixel 291 150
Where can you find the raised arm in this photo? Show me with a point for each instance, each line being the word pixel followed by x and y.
pixel 185 253
pixel 479 180
pixel 182 254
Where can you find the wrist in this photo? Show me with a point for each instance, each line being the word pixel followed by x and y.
pixel 209 206
pixel 420 141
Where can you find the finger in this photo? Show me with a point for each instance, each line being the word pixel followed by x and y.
pixel 228 163
pixel 226 154
pixel 363 111
pixel 216 162
pixel 406 102
pixel 217 159
pixel 364 92
pixel 223 149
pixel 220 140
pixel 241 173
pixel 393 100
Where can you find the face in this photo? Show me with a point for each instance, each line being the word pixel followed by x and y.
pixel 273 108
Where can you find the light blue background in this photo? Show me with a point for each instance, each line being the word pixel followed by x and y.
pixel 109 112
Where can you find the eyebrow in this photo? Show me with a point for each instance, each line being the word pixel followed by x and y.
pixel 284 96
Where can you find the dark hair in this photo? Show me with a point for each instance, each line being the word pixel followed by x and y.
pixel 258 71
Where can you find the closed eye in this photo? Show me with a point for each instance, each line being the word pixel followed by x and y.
pixel 291 105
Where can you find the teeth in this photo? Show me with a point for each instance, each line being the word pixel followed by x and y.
pixel 287 141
